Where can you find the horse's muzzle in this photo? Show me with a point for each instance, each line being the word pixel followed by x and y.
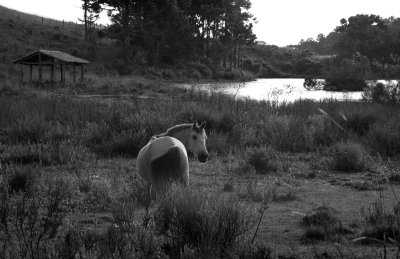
pixel 202 157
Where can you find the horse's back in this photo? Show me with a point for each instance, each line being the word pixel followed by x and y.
pixel 163 159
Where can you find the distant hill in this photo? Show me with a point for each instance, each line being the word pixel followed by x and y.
pixel 7 13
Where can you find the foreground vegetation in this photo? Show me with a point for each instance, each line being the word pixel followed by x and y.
pixel 69 190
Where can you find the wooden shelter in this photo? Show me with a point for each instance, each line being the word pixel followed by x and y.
pixel 51 58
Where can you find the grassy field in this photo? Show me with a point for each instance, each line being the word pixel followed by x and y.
pixel 299 180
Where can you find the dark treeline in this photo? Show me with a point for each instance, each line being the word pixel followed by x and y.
pixel 163 32
pixel 368 43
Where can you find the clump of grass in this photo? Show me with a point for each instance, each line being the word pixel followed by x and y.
pixel 365 185
pixel 57 153
pixel 283 194
pixel 21 179
pixel 382 224
pixel 255 193
pixel 349 157
pixel 212 225
pixel 96 195
pixel 218 143
pixel 228 186
pixel 285 133
pixel 261 159
pixel 255 252
pixel 322 224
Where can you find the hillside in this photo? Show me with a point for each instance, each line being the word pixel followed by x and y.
pixel 24 33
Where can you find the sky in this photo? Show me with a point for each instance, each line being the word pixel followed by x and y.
pixel 280 22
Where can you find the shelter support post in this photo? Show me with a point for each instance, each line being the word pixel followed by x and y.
pixel 74 72
pixel 21 73
pixel 81 72
pixel 40 68
pixel 30 72
pixel 52 75
pixel 62 73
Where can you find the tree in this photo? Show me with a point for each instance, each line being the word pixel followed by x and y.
pixel 91 10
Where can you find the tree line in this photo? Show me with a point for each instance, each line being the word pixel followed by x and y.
pixel 368 41
pixel 164 31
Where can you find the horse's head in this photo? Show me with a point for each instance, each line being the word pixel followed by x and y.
pixel 197 141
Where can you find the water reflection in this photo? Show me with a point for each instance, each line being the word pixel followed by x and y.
pixel 277 90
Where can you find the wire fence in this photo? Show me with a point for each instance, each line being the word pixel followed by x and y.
pixel 14 15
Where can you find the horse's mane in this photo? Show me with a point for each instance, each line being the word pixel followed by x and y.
pixel 175 129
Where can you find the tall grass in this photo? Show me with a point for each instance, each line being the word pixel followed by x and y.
pixel 114 128
pixel 210 225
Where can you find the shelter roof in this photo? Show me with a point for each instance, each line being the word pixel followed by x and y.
pixel 49 57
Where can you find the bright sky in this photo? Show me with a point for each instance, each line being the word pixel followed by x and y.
pixel 281 22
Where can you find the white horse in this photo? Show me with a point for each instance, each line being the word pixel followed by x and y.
pixel 164 159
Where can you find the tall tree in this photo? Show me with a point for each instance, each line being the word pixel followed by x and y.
pixel 91 10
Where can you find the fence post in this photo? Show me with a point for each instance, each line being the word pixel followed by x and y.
pixel 42 20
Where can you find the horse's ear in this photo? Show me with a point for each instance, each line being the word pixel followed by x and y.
pixel 194 126
pixel 202 125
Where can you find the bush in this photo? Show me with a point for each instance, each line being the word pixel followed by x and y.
pixel 308 67
pixel 261 159
pixel 344 84
pixel 385 137
pixel 322 224
pixel 383 93
pixel 270 72
pixel 360 121
pixel 21 179
pixel 321 131
pixel 211 225
pixel 349 157
pixel 30 221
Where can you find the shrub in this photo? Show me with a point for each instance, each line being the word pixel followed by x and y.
pixel 30 221
pixel 322 224
pixel 21 179
pixel 344 84
pixel 320 131
pixel 385 137
pixel 270 72
pixel 306 66
pixel 383 93
pixel 283 194
pixel 211 225
pixel 360 121
pixel 261 159
pixel 349 157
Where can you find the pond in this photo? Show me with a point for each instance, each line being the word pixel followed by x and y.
pixel 276 90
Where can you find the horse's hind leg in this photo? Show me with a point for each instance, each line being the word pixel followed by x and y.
pixel 146 217
pixel 148 198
